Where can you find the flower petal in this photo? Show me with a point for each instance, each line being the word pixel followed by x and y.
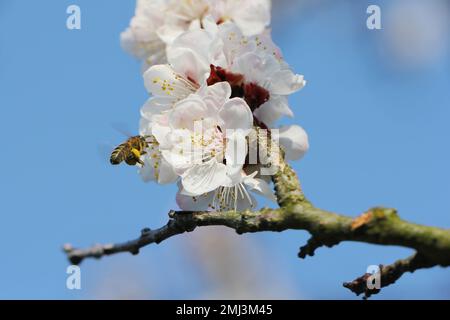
pixel 194 203
pixel 272 110
pixel 189 111
pixel 166 173
pixel 156 169
pixel 251 16
pixel 232 43
pixel 155 106
pixel 162 135
pixel 206 177
pixel 215 95
pixel 256 68
pixel 179 162
pixel 236 114
pixel 285 82
pixel 145 127
pixel 169 32
pixel 261 187
pixel 190 54
pixel 235 155
pixel 294 141
pixel 148 172
pixel 161 80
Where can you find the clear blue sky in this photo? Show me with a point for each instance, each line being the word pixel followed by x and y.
pixel 378 133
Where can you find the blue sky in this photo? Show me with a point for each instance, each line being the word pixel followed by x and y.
pixel 378 132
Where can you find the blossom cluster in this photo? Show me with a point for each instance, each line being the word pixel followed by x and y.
pixel 218 85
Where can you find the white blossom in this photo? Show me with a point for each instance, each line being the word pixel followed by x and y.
pixel 155 167
pixel 294 141
pixel 157 23
pixel 252 65
pixel 140 38
pixel 236 196
pixel 221 77
pixel 194 136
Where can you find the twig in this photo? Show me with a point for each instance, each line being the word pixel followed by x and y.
pixel 378 226
pixel 388 274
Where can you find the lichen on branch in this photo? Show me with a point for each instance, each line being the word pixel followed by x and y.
pixel 377 226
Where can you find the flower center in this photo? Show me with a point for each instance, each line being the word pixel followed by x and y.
pixel 227 198
pixel 252 93
pixel 255 95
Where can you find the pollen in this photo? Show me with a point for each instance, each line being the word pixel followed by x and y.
pixel 166 86
pixel 231 36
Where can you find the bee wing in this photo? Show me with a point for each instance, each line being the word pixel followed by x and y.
pixel 104 150
pixel 123 128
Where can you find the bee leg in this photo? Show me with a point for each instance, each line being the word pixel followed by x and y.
pixel 137 156
pixel 136 153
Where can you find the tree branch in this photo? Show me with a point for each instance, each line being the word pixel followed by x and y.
pixel 388 274
pixel 378 226
pixel 180 222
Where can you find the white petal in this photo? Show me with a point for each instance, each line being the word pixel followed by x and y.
pixel 145 127
pixel 155 168
pixel 148 172
pixel 272 110
pixel 266 45
pixel 196 40
pixel 150 50
pixel 194 203
pixel 256 68
pixel 252 16
pixel 155 106
pixel 236 114
pixel 236 152
pixel 189 111
pixel 148 15
pixel 169 32
pixel 161 80
pixel 166 173
pixel 285 82
pixel 261 187
pixel 216 95
pixel 129 43
pixel 294 141
pixel 189 54
pixel 210 25
pixel 140 39
pixel 234 44
pixel 195 25
pixel 179 162
pixel 188 63
pixel 162 135
pixel 203 178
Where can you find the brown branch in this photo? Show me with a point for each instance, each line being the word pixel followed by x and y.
pixel 148 236
pixel 378 226
pixel 185 221
pixel 388 274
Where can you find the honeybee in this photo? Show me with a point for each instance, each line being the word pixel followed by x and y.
pixel 131 151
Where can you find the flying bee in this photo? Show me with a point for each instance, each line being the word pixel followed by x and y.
pixel 131 150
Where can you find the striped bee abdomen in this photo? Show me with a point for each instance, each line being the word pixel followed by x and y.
pixel 120 153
